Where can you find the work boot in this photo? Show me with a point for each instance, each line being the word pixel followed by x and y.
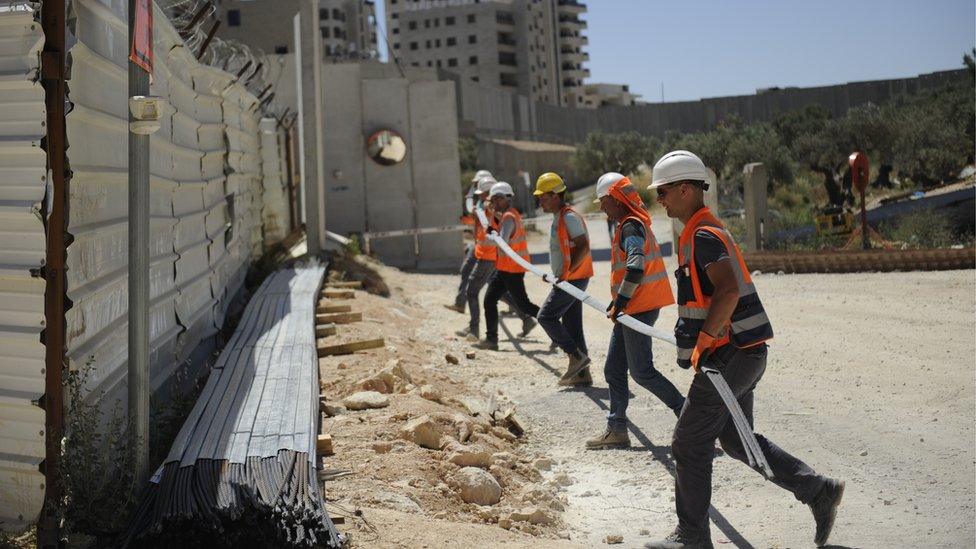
pixel 455 308
pixel 487 344
pixel 679 540
pixel 582 379
pixel 527 325
pixel 609 439
pixel 467 334
pixel 577 361
pixel 824 508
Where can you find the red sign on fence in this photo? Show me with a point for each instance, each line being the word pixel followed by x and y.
pixel 141 52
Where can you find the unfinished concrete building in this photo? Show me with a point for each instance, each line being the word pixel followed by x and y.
pixel 532 47
pixel 348 27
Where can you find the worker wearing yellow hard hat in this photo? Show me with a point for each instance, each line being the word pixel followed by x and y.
pixel 561 315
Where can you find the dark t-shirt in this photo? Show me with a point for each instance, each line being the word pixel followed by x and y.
pixel 708 249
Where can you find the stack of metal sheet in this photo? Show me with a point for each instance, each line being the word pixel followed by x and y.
pixel 242 469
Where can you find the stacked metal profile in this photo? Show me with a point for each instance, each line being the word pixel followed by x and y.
pixel 242 469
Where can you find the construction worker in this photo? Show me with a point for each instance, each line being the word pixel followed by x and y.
pixel 639 286
pixel 509 275
pixel 485 254
pixel 561 315
pixel 722 323
pixel 468 218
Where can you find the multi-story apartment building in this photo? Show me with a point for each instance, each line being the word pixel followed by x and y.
pixel 600 95
pixel 348 27
pixel 533 47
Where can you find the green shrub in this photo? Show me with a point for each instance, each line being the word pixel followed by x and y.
pixel 924 229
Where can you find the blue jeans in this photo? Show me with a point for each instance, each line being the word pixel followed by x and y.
pixel 561 317
pixel 631 351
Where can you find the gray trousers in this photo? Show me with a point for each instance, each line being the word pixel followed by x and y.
pixel 481 273
pixel 469 260
pixel 705 418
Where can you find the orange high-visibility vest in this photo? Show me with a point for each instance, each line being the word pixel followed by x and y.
pixel 483 247
pixel 654 290
pixel 748 326
pixel 516 241
pixel 585 269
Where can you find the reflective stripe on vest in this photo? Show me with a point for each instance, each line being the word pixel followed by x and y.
pixel 654 291
pixel 585 268
pixel 516 241
pixel 484 248
pixel 749 324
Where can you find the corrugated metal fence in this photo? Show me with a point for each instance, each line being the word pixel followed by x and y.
pixel 215 207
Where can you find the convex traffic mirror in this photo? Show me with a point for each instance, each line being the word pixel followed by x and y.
pixel 386 147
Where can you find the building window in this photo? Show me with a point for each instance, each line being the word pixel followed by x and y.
pixel 429 64
pixel 451 41
pixel 413 46
pixel 438 63
pixel 336 14
pixel 475 79
pixel 396 30
pixel 437 21
pixel 505 17
pixel 412 25
pixel 325 32
pixel 281 49
pixel 471 18
pixel 323 14
pixel 437 42
pixel 452 62
pixel 234 18
pixel 508 79
pixel 427 44
pixel 395 16
pixel 473 60
pixel 472 39
pixel 448 20
pixel 396 45
pixel 415 64
pixel 507 58
pixel 426 23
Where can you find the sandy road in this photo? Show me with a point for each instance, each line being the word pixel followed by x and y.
pixel 870 379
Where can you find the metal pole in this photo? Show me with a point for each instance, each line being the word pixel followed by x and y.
pixel 138 279
pixel 310 109
pixel 865 240
pixel 52 77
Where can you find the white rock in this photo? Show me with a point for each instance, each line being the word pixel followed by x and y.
pixel 364 400
pixel 397 502
pixel 465 456
pixel 429 393
pixel 532 515
pixel 563 479
pixel 422 431
pixel 477 486
pixel 542 464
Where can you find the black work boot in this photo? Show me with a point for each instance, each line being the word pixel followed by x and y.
pixel 824 508
pixel 680 540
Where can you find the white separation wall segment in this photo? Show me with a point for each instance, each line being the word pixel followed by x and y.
pixel 23 177
pixel 275 211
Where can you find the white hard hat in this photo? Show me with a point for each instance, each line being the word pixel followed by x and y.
pixel 678 166
pixel 605 182
pixel 501 188
pixel 480 173
pixel 484 184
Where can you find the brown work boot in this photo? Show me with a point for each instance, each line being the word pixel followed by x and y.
pixel 609 439
pixel 577 362
pixel 582 379
pixel 486 344
pixel 455 308
pixel 468 335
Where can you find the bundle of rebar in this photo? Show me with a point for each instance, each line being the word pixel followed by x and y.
pixel 241 472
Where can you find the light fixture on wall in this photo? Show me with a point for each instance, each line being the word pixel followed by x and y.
pixel 386 147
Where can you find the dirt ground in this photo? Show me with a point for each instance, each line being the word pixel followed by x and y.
pixel 870 379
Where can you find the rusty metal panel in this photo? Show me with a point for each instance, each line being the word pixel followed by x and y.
pixel 23 178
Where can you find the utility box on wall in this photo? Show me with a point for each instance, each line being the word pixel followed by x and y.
pixel 422 190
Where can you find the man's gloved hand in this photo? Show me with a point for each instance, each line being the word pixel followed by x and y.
pixel 703 348
pixel 613 312
pixel 491 230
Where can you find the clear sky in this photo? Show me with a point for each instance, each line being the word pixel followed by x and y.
pixel 710 48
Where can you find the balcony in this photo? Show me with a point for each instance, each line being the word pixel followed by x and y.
pixel 505 18
pixel 571 6
pixel 507 59
pixel 574 56
pixel 506 41
pixel 575 72
pixel 571 23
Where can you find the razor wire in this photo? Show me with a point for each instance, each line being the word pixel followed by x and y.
pixel 754 454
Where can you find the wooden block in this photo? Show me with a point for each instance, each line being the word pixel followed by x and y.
pixel 324 445
pixel 338 318
pixel 338 294
pixel 344 284
pixel 349 348
pixel 326 309
pixel 324 330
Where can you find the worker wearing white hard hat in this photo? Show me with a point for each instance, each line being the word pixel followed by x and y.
pixel 721 323
pixel 509 276
pixel 640 289
pixel 469 218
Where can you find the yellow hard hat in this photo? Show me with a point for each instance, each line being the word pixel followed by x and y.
pixel 549 182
